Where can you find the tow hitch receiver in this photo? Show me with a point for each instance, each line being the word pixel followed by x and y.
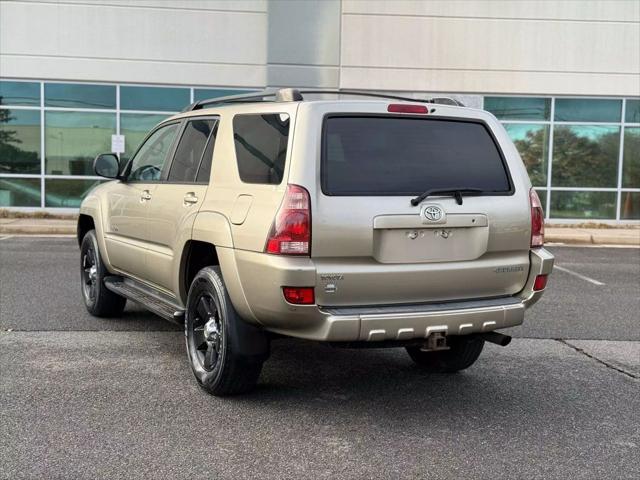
pixel 436 341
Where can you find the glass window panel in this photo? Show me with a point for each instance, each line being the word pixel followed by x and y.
pixel 361 156
pixel 631 158
pixel 587 110
pixel 19 93
pixel 149 161
pixel 78 95
pixel 206 93
pixel 632 111
pixel 154 98
pixel 630 206
pixel 261 146
pixel 66 193
pixel 73 139
pixel 134 127
pixel 19 141
pixel 186 160
pixel 519 108
pixel 596 205
pixel 585 156
pixel 532 142
pixel 19 192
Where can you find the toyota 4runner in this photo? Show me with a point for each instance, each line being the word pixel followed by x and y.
pixel 379 222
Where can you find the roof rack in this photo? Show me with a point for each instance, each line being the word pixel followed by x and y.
pixel 295 95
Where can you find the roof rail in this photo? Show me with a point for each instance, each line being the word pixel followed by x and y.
pixel 294 95
pixel 438 100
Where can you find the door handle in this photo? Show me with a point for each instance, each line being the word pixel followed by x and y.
pixel 190 198
pixel 146 195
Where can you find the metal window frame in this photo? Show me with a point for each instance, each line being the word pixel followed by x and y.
pixel 551 123
pixel 118 111
pixel 549 188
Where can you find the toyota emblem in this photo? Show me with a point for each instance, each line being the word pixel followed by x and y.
pixel 432 213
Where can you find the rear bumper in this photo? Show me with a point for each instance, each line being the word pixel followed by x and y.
pixel 389 323
pixel 419 321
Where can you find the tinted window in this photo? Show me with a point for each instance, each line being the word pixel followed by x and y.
pixel 261 146
pixel 519 108
pixel 159 99
pixel 19 141
pixel 73 139
pixel 205 166
pixel 79 95
pixel 148 162
pixel 19 93
pixel 189 152
pixel 207 93
pixel 134 127
pixel 587 110
pixel 632 113
pixel 406 156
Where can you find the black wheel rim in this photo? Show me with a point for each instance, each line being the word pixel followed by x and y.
pixel 206 331
pixel 89 274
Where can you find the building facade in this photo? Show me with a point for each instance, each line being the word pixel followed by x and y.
pixel 563 77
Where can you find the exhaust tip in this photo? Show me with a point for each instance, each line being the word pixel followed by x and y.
pixel 497 338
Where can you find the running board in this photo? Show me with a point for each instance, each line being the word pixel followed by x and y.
pixel 154 301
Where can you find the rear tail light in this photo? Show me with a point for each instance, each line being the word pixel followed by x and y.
pixel 537 220
pixel 299 295
pixel 291 230
pixel 540 283
pixel 407 108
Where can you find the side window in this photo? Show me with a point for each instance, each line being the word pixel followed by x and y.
pixel 148 162
pixel 205 166
pixel 184 167
pixel 261 146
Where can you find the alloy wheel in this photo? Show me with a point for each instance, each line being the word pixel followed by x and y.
pixel 206 331
pixel 89 274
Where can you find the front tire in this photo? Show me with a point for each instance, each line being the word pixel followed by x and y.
pixel 213 343
pixel 463 352
pixel 99 300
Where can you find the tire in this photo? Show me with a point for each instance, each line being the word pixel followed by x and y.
pixel 100 301
pixel 218 339
pixel 463 352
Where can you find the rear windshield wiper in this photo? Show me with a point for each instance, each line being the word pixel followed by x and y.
pixel 456 192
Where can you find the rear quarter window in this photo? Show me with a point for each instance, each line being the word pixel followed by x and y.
pixel 261 146
pixel 390 155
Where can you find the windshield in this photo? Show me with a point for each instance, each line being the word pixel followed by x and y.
pixel 384 155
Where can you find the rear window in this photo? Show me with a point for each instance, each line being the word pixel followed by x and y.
pixel 261 146
pixel 407 156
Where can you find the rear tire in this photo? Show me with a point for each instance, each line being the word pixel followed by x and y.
pixel 463 352
pixel 99 300
pixel 213 342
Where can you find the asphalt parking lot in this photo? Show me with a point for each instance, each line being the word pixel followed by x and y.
pixel 88 398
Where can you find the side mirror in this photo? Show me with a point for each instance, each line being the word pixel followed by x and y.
pixel 107 165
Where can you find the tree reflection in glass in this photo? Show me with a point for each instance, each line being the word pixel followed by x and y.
pixel 19 141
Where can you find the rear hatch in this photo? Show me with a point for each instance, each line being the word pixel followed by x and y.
pixel 371 246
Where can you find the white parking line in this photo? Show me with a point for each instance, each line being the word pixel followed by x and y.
pixel 571 272
pixel 5 237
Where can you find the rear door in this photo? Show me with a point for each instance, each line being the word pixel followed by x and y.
pixel 177 199
pixel 371 246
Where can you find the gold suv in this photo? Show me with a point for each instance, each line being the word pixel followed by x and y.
pixel 380 222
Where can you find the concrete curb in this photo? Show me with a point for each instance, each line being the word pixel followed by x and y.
pixel 594 237
pixel 29 226
pixel 37 230
pixel 569 236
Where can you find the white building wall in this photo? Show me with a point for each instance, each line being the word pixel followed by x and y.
pixel 490 46
pixel 568 47
pixel 148 41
